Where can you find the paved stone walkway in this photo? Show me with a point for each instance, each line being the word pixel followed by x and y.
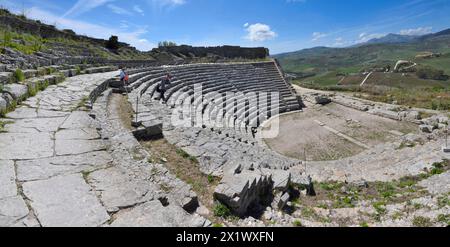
pixel 46 149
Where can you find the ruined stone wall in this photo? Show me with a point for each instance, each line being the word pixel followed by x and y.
pixel 18 24
pixel 222 51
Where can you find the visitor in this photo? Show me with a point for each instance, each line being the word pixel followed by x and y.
pixel 127 78
pixel 165 82
pixel 122 75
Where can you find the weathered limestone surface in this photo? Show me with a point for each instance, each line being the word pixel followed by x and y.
pixel 7 179
pixel 39 169
pixel 65 201
pixel 12 210
pixel 52 146
pixel 154 214
pixel 133 188
pixel 439 184
pixel 22 146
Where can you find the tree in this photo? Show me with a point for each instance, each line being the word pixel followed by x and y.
pixel 166 44
pixel 113 43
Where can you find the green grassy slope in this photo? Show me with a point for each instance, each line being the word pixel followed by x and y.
pixel 340 69
pixel 353 59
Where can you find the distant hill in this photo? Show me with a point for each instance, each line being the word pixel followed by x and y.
pixel 377 52
pixel 393 38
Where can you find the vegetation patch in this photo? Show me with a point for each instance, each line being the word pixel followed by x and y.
pixel 444 219
pixel 18 75
pixel 221 210
pixel 3 124
pixel 297 223
pixel 421 221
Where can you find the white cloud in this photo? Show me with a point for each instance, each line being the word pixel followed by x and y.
pixel 118 10
pixel 83 6
pixel 133 37
pixel 364 37
pixel 163 3
pixel 339 42
pixel 138 9
pixel 259 32
pixel 416 31
pixel 316 36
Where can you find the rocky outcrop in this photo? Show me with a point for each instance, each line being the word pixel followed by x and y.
pixel 246 191
pixel 241 189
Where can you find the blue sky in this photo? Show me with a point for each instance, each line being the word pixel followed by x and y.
pixel 280 25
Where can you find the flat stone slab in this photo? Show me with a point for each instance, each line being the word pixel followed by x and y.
pixel 78 120
pixel 65 201
pixel 23 146
pixel 71 147
pixel 22 112
pixel 118 189
pixel 40 169
pixel 8 186
pixel 47 113
pixel 438 184
pixel 154 214
pixel 12 209
pixel 77 134
pixel 41 124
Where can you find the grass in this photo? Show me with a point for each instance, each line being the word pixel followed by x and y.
pixel 364 224
pixel 444 218
pixel 3 124
pixel 408 90
pixel 421 221
pixel 221 210
pixel 18 75
pixel 28 44
pixel 342 195
pixel 297 223
pixel 187 169
pixel 443 201
pixel 185 155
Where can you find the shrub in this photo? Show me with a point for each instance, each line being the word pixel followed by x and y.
pixel 220 210
pixel 18 75
pixel 113 43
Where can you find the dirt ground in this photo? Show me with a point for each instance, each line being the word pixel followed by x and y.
pixel 301 133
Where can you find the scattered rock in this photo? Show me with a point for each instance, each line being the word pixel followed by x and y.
pixel 240 190
pixel 426 128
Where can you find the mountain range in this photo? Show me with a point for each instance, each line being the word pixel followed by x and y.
pixel 376 52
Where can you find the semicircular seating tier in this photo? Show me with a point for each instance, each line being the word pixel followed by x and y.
pixel 238 95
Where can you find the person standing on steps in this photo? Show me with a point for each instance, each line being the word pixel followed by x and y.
pixel 165 83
